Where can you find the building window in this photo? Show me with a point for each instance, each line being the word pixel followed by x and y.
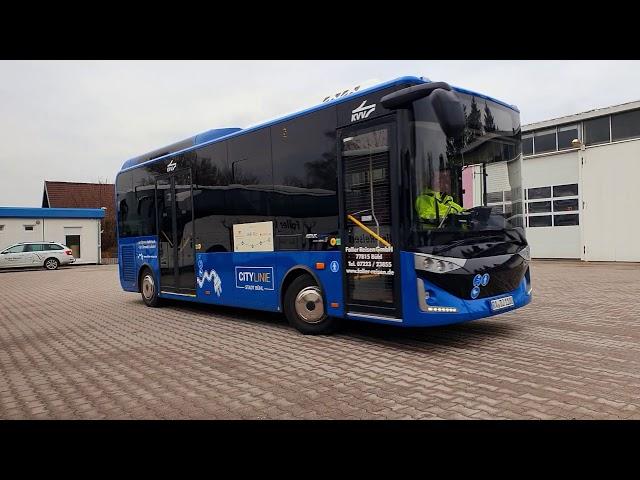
pixel 540 221
pixel 73 242
pixel 566 220
pixel 625 125
pixel 567 205
pixel 597 130
pixel 566 134
pixel 527 144
pixel 556 200
pixel 565 190
pixel 540 192
pixel 1 228
pixel 539 207
pixel 28 228
pixel 544 141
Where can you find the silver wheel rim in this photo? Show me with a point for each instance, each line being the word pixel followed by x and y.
pixel 51 264
pixel 309 305
pixel 148 287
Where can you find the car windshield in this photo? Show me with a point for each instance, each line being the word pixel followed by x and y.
pixel 466 192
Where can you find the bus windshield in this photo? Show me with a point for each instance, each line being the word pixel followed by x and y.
pixel 466 192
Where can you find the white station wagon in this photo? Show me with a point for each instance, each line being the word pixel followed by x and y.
pixel 49 255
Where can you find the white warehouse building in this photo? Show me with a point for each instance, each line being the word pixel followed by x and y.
pixel 580 196
pixel 77 228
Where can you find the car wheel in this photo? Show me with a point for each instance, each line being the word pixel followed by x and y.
pixel 148 289
pixel 305 309
pixel 51 263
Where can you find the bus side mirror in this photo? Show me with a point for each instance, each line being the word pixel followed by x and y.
pixel 446 105
pixel 448 109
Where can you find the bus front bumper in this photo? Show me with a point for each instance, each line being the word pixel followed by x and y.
pixel 425 304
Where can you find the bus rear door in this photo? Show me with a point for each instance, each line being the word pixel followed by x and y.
pixel 176 233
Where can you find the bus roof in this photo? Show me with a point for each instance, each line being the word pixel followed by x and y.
pixel 217 135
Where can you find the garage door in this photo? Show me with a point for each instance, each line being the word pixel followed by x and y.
pixel 610 176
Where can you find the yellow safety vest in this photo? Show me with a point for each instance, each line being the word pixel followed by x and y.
pixel 429 200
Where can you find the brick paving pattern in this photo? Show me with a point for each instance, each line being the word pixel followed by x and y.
pixel 74 346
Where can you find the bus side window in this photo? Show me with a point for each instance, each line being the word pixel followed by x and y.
pixel 142 211
pixel 251 185
pixel 123 190
pixel 211 179
pixel 305 180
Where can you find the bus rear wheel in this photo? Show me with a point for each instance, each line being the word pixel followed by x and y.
pixel 148 289
pixel 305 309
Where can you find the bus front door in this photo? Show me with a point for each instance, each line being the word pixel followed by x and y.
pixel 176 233
pixel 368 239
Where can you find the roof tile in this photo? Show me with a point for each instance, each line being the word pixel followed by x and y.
pixel 80 195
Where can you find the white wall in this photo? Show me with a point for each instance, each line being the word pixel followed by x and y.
pixel 12 231
pixel 610 225
pixel 53 230
pixel 549 170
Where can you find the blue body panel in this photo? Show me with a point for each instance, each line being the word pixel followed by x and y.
pixel 467 309
pixel 237 275
pixel 254 280
pixel 196 140
pixel 213 134
pixel 145 250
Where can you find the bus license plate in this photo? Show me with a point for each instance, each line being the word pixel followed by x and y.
pixel 500 303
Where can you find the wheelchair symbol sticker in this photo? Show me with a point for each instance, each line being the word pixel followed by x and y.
pixel 334 266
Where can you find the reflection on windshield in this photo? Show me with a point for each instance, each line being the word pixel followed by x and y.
pixel 467 184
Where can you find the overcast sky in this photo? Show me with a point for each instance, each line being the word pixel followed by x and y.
pixel 80 120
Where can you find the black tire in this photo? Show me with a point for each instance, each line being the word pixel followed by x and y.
pixel 306 293
pixel 149 289
pixel 51 263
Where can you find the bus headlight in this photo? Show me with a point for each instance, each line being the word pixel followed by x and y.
pixel 435 264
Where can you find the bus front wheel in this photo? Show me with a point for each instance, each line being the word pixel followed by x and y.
pixel 148 289
pixel 305 308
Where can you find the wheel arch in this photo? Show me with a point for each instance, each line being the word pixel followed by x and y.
pixel 293 273
pixel 142 268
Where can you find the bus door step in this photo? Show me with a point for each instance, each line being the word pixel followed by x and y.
pixel 370 316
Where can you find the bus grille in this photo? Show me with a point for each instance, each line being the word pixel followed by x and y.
pixel 128 263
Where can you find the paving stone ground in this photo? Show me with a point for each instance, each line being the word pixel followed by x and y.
pixel 74 346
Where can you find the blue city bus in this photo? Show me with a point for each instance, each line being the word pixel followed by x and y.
pixel 399 204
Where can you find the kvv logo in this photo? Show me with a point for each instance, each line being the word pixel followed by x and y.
pixel 171 166
pixel 362 112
